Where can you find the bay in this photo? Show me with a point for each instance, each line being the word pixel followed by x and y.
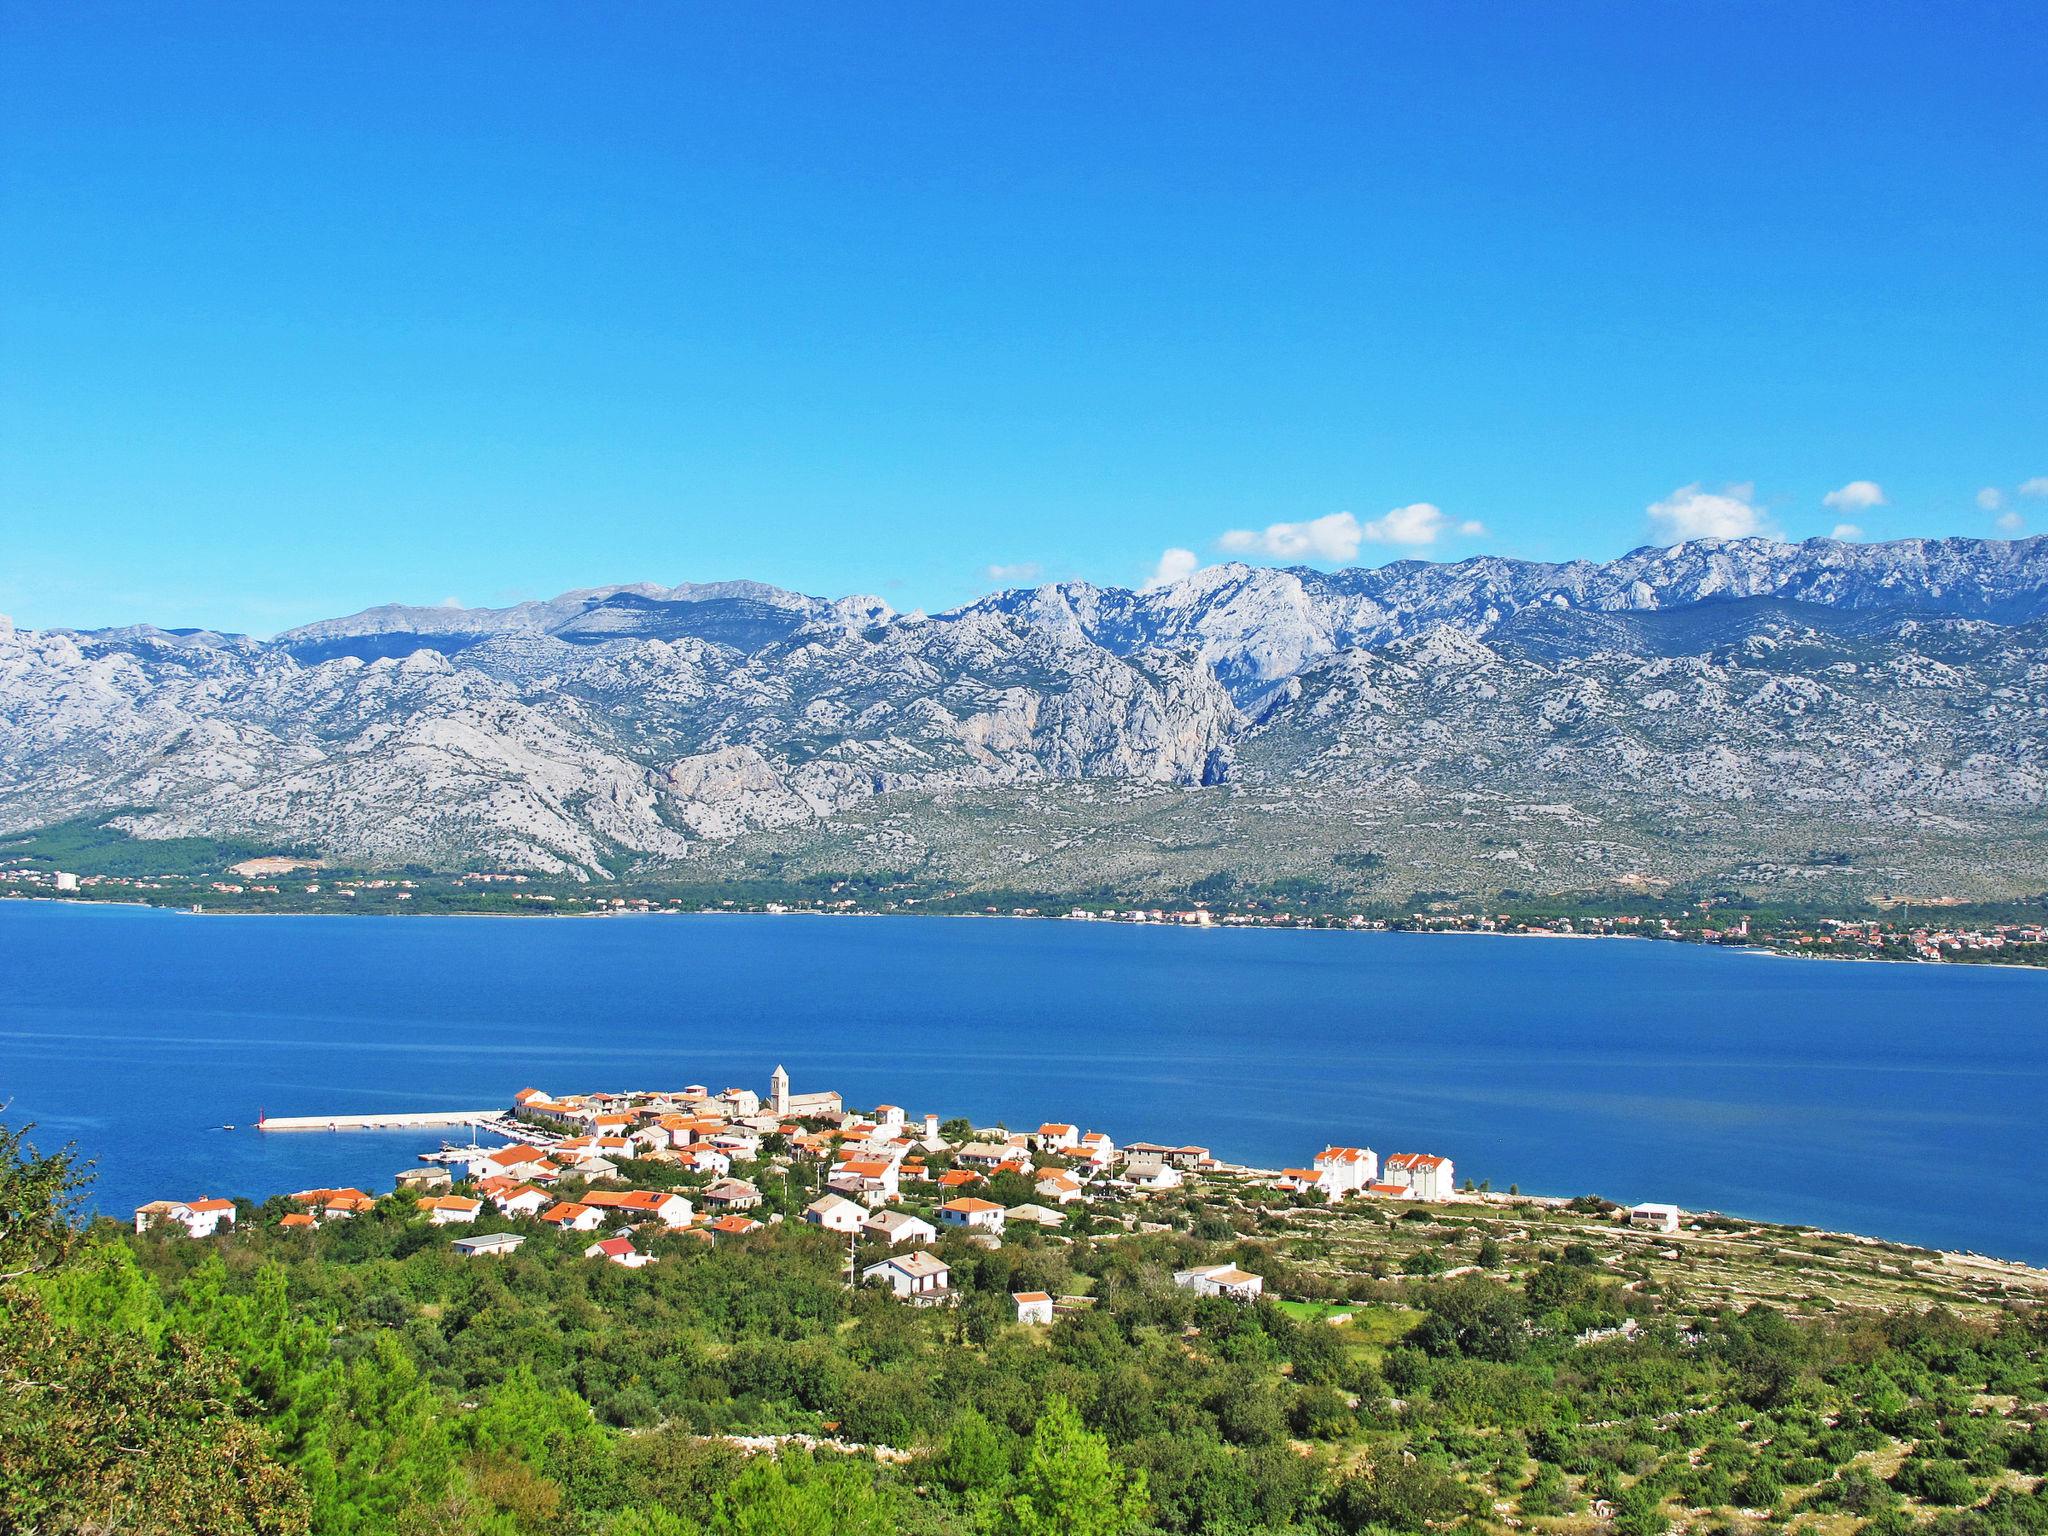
pixel 1901 1101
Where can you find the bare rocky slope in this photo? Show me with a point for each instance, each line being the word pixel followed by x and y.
pixel 1823 717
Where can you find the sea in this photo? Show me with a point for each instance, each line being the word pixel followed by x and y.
pixel 1902 1101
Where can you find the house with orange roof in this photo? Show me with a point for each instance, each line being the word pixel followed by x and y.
pixel 571 1216
pixel 872 1180
pixel 1429 1176
pixel 731 1226
pixel 1055 1136
pixel 1097 1148
pixel 1060 1188
pixel 958 1178
pixel 975 1214
pixel 1033 1307
pixel 297 1221
pixel 662 1205
pixel 1340 1171
pixel 705 1160
pixel 522 1200
pixel 321 1198
pixel 512 1160
pixel 451 1210
pixel 196 1218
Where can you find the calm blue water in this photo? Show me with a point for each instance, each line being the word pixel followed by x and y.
pixel 1904 1101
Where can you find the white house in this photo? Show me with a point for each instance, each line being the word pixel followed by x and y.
pixel 662 1205
pixel 491 1245
pixel 706 1160
pixel 522 1200
pixel 732 1195
pixel 517 1162
pixel 619 1250
pixel 983 1155
pixel 1032 1306
pixel 1060 1188
pixel 1658 1218
pixel 1098 1149
pixel 898 1227
pixel 451 1210
pixel 1429 1177
pixel 199 1218
pixel 1153 1174
pixel 920 1278
pixel 1057 1137
pixel 1341 1171
pixel 570 1216
pixel 835 1213
pixel 1220 1280
pixel 973 1213
pixel 871 1179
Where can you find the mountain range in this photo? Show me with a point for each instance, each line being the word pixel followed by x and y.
pixel 1822 719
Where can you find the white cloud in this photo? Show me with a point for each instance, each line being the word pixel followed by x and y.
pixel 1991 498
pixel 2038 486
pixel 1336 537
pixel 2012 522
pixel 1174 565
pixel 1023 570
pixel 1846 531
pixel 1416 524
pixel 1856 496
pixel 1692 512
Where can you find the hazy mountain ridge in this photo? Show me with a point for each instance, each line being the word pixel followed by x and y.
pixel 1874 686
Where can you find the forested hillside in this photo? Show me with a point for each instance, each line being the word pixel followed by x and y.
pixel 1507 1369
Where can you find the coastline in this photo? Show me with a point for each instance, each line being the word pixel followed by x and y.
pixel 1766 950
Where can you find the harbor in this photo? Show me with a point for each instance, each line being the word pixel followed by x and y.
pixel 495 1120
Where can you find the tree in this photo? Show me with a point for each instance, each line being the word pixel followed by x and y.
pixel 40 1197
pixel 382 1453
pixel 1401 1495
pixel 106 1421
pixel 802 1497
pixel 975 1458
pixel 1070 1486
pixel 1475 1317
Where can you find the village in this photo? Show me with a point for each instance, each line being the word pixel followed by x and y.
pixel 886 1183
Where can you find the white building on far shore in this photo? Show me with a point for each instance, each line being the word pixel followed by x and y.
pixel 1658 1218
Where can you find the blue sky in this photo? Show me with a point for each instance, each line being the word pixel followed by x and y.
pixel 308 307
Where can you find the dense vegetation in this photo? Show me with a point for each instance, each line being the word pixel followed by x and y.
pixel 88 845
pixel 361 1378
